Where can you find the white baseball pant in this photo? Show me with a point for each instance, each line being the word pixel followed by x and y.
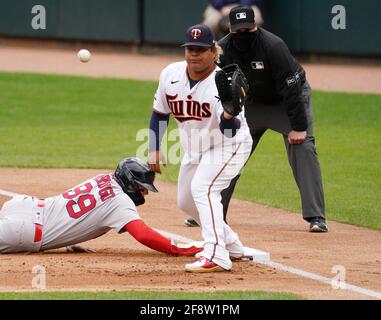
pixel 199 194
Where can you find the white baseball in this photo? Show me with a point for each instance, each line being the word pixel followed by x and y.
pixel 84 55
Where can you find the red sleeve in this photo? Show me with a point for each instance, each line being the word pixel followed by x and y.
pixel 154 240
pixel 148 237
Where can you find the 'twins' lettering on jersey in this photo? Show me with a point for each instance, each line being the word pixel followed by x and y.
pixel 196 109
pixel 188 109
pixel 193 107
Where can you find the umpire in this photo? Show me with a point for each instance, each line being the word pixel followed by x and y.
pixel 280 100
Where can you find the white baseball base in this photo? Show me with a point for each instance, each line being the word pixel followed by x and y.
pixel 257 255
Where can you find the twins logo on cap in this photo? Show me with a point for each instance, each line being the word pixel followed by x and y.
pixel 196 33
pixel 240 15
pixel 199 35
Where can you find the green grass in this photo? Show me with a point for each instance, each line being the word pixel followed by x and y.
pixel 152 295
pixel 48 121
pixel 56 121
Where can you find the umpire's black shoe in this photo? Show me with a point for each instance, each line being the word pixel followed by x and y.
pixel 318 225
pixel 190 222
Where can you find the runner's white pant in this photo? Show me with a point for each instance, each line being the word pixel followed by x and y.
pixel 199 194
pixel 17 225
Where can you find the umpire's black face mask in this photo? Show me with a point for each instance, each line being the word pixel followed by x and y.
pixel 243 40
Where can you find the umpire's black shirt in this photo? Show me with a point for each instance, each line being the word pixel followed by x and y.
pixel 273 73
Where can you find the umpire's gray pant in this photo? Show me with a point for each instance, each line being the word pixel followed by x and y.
pixel 303 158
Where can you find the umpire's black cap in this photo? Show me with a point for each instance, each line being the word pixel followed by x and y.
pixel 241 17
pixel 199 35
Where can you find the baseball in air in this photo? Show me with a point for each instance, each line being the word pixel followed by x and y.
pixel 84 55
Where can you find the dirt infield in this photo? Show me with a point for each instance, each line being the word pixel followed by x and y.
pixel 47 58
pixel 122 263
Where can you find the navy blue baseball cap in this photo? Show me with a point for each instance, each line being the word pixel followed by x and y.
pixel 199 35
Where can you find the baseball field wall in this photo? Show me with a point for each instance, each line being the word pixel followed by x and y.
pixel 324 26
pixel 95 20
pixel 327 26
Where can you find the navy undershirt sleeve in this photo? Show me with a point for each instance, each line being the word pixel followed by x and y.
pixel 158 125
pixel 229 127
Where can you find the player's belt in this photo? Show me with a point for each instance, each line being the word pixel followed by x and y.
pixel 38 226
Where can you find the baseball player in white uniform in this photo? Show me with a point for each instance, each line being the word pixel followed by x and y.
pixel 85 212
pixel 216 145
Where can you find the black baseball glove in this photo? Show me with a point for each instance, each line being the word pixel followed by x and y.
pixel 232 88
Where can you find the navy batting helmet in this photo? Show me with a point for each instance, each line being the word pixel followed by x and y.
pixel 132 174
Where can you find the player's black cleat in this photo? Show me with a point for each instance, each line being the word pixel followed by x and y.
pixel 190 222
pixel 318 225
